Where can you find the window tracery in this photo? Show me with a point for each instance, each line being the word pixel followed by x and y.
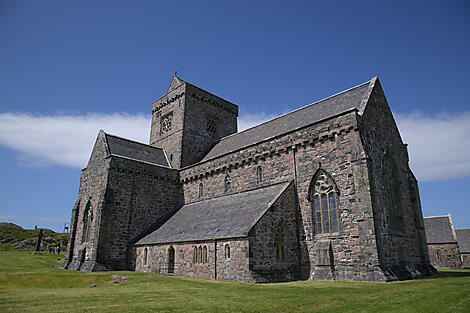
pixel 324 195
pixel 165 123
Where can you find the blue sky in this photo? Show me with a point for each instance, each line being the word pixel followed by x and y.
pixel 69 68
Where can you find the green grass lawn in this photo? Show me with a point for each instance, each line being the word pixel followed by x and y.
pixel 34 284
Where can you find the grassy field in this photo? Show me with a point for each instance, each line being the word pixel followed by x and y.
pixel 34 284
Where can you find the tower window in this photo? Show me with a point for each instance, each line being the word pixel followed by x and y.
pixel 228 183
pixel 165 123
pixel 324 204
pixel 201 190
pixel 259 174
pixel 211 126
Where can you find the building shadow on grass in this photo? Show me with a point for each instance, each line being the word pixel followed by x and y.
pixel 449 273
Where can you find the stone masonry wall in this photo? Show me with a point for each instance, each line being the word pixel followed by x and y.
pixel 82 254
pixel 333 144
pixel 445 255
pixel 276 231
pixel 465 259
pixel 233 268
pixel 394 192
pixel 137 195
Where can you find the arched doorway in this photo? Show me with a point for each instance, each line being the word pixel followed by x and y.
pixel 171 260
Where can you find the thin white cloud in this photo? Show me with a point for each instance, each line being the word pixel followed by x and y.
pixel 249 120
pixel 65 139
pixel 438 145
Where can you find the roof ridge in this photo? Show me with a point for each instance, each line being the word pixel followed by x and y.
pixel 437 216
pixel 130 140
pixel 298 109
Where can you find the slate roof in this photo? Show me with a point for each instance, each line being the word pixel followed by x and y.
pixel 353 98
pixel 463 239
pixel 136 150
pixel 439 229
pixel 228 216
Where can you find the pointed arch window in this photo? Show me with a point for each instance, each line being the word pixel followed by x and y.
pixel 199 255
pixel 87 220
pixel 195 255
pixel 259 174
pixel 228 183
pixel 204 255
pixel 145 256
pixel 324 196
pixel 227 251
pixel 201 190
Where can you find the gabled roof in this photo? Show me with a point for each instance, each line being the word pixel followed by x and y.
pixel 135 150
pixel 228 216
pixel 354 98
pixel 463 239
pixel 439 229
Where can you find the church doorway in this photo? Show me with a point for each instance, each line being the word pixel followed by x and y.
pixel 171 260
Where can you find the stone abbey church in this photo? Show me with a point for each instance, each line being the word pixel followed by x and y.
pixel 322 192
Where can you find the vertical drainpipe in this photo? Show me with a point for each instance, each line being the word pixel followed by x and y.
pixel 215 258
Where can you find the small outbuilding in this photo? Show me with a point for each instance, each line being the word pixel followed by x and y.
pixel 442 242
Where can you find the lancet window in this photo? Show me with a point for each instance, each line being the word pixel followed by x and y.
pixel 227 251
pixel 324 196
pixel 87 220
pixel 201 190
pixel 228 183
pixel 259 174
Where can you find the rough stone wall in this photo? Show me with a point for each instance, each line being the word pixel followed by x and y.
pixel 171 103
pixel 335 145
pixel 445 255
pixel 82 254
pixel 234 268
pixel 274 245
pixel 189 138
pixel 465 259
pixel 202 107
pixel 137 195
pixel 395 197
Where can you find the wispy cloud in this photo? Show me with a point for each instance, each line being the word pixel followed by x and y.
pixel 65 139
pixel 438 144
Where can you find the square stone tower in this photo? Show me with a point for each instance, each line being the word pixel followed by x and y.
pixel 187 121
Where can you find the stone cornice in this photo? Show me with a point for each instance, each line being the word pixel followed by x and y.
pixel 265 150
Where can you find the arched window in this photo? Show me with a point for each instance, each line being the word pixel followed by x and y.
pixel 204 252
pixel 228 183
pixel 201 190
pixel 227 251
pixel 199 256
pixel 87 220
pixel 195 255
pixel 171 259
pixel 324 197
pixel 145 256
pixel 280 243
pixel 259 174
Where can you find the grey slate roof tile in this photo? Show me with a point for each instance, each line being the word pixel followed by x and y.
pixel 223 217
pixel 350 99
pixel 136 150
pixel 463 239
pixel 438 229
